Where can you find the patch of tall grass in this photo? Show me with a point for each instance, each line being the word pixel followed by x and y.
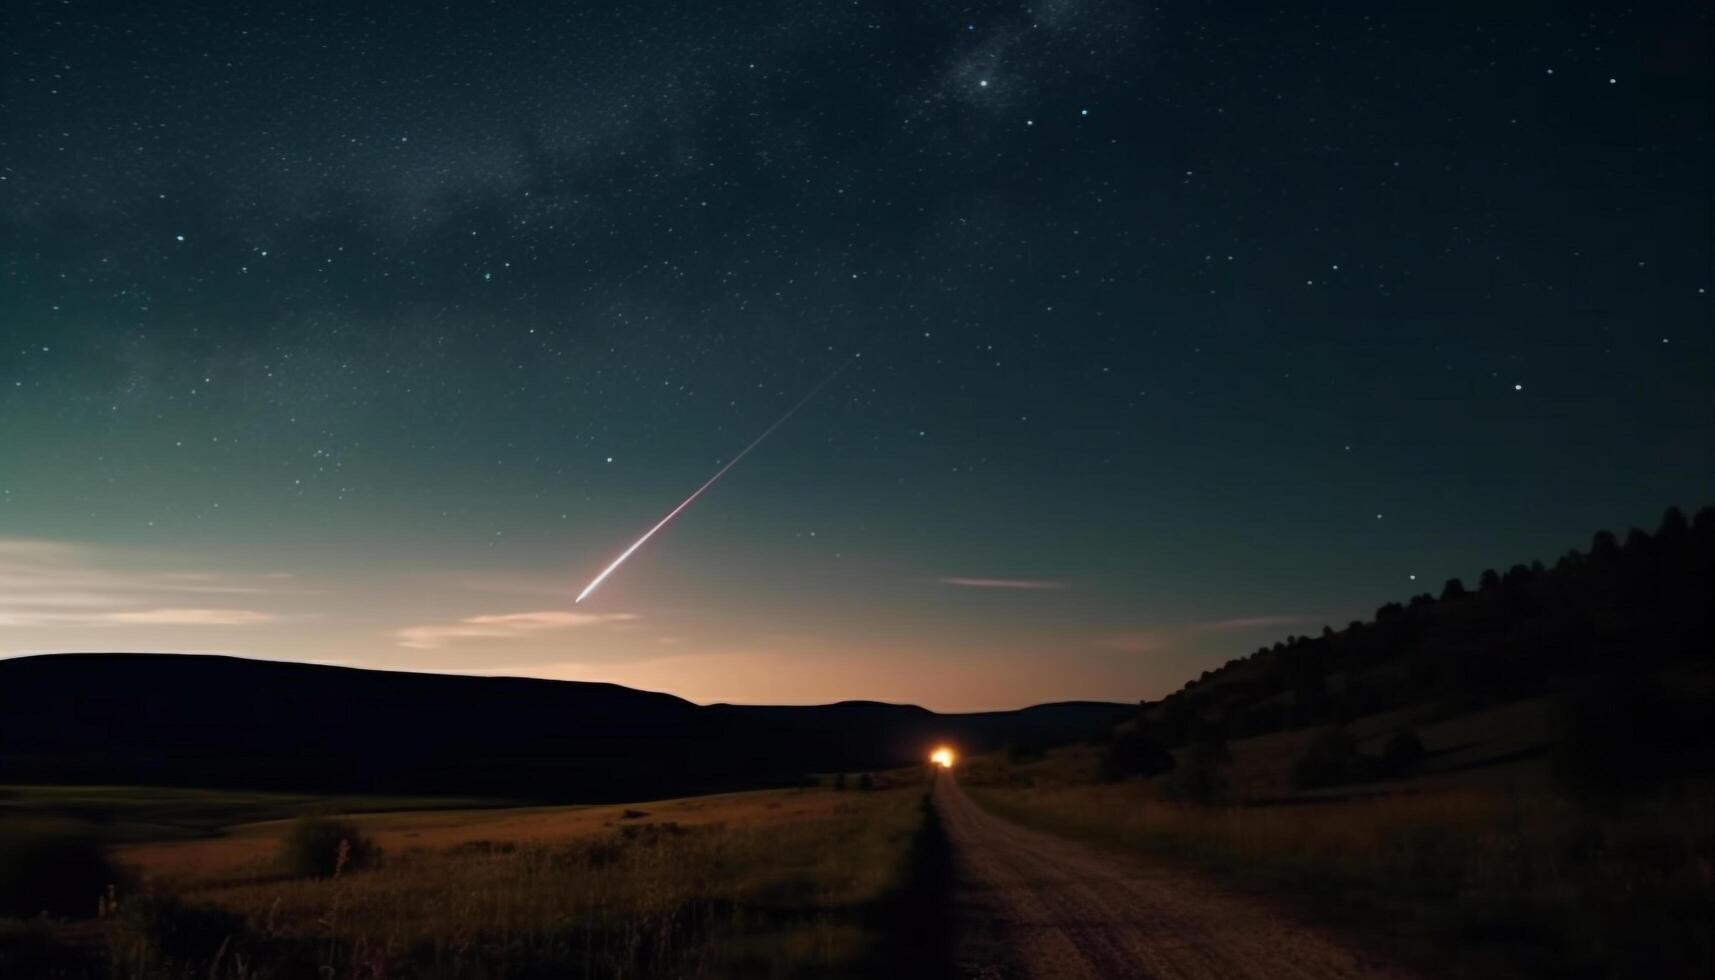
pixel 771 891
pixel 55 867
pixel 322 847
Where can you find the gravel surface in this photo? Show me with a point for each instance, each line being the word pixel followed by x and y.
pixel 1030 905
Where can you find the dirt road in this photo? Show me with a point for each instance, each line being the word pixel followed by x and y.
pixel 1030 905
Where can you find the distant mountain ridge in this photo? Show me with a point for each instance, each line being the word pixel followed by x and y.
pixel 167 719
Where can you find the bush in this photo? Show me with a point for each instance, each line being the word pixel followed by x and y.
pixel 29 949
pixel 1331 759
pixel 161 929
pixel 1134 753
pixel 866 782
pixel 54 868
pixel 1403 751
pixel 839 780
pixel 321 848
pixel 1199 777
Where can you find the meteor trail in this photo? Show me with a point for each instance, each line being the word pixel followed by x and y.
pixel 711 482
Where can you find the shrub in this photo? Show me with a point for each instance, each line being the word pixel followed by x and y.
pixel 1134 753
pixel 163 929
pixel 28 949
pixel 839 780
pixel 1199 777
pixel 54 868
pixel 1403 751
pixel 321 848
pixel 1332 758
pixel 866 782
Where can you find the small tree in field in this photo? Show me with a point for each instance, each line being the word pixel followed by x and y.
pixel 1332 758
pixel 323 848
pixel 1403 751
pixel 49 868
pixel 1135 753
pixel 1200 776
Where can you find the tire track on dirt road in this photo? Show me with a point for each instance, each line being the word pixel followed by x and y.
pixel 1032 906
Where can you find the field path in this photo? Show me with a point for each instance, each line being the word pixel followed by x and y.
pixel 1030 905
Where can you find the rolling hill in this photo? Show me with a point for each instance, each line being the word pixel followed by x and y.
pixel 162 719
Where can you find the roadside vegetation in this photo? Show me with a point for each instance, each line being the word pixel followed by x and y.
pixel 121 814
pixel 804 882
pixel 1514 780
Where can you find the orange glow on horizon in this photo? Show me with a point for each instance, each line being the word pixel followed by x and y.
pixel 942 757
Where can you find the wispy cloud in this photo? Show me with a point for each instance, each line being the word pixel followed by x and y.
pixel 139 617
pixel 504 626
pixel 1251 623
pixel 1027 584
pixel 1139 642
pixel 194 617
pixel 1166 637
pixel 60 584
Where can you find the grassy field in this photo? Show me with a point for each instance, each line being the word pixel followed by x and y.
pixel 1469 872
pixel 123 814
pixel 804 882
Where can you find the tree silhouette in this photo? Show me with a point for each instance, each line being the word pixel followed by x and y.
pixel 1533 631
pixel 1604 546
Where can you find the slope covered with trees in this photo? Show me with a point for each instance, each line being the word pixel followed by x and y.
pixel 1622 631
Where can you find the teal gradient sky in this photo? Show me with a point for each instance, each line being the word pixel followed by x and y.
pixel 1170 333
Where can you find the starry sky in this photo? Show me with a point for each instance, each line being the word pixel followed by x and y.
pixel 368 333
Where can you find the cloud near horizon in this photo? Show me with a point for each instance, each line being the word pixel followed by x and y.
pixel 194 617
pixel 1251 623
pixel 1026 584
pixel 139 617
pixel 1154 640
pixel 504 626
pixel 62 584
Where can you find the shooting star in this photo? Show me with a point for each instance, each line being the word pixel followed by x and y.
pixel 609 570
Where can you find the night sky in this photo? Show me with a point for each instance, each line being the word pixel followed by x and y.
pixel 363 333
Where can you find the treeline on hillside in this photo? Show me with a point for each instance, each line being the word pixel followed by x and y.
pixel 1607 627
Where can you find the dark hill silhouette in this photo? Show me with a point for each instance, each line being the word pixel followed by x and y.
pixel 162 719
pixel 1624 632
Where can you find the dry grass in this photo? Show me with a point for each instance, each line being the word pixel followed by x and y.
pixel 248 850
pixel 127 814
pixel 1503 881
pixel 770 884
